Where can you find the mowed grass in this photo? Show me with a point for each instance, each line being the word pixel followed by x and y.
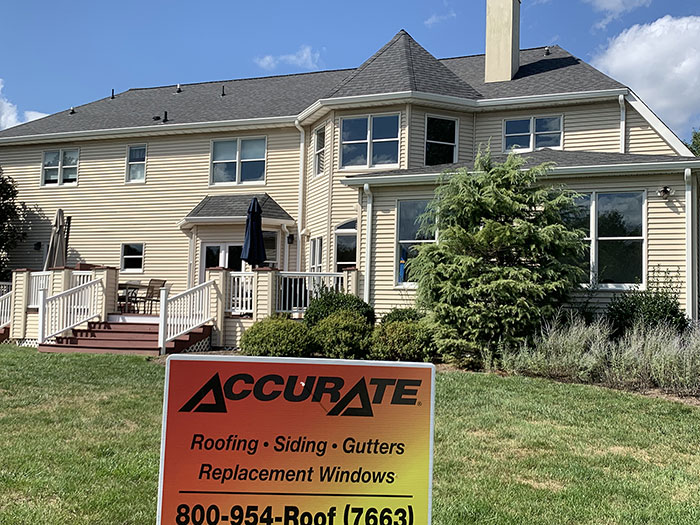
pixel 80 434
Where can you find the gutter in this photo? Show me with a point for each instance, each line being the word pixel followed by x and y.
pixel 285 230
pixel 300 209
pixel 153 130
pixel 605 170
pixel 189 222
pixel 623 123
pixel 368 241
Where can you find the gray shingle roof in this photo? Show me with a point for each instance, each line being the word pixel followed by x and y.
pixel 561 159
pixel 401 65
pixel 237 206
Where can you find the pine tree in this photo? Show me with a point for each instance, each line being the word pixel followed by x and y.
pixel 505 260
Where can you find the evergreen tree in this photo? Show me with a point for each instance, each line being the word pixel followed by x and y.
pixel 505 260
pixel 12 219
pixel 694 145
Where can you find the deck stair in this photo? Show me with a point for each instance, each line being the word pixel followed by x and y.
pixel 131 338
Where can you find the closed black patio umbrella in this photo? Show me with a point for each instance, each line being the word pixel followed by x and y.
pixel 253 246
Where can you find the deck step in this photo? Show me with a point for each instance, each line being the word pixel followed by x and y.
pixel 74 349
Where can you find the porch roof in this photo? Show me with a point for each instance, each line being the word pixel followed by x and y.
pixel 230 209
pixel 564 163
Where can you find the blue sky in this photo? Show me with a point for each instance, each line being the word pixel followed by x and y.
pixel 54 55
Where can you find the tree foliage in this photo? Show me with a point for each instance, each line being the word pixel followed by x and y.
pixel 504 261
pixel 694 144
pixel 12 219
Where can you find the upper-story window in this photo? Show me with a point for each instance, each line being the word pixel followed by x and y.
pixel 532 133
pixel 369 141
pixel 238 161
pixel 440 141
pixel 136 164
pixel 60 166
pixel 319 151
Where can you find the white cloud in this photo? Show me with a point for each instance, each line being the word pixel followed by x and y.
pixel 305 57
pixel 615 8
pixel 661 62
pixel 436 18
pixel 9 116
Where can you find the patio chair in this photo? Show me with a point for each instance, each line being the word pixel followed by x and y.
pixel 152 295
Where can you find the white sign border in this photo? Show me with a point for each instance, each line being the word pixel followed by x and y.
pixel 291 360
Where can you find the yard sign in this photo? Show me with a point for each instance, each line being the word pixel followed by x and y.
pixel 264 441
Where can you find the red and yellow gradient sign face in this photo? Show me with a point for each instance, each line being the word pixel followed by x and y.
pixel 263 441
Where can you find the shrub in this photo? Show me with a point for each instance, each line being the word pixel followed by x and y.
pixel 402 314
pixel 344 334
pixel 329 301
pixel 506 258
pixel 402 341
pixel 277 336
pixel 655 306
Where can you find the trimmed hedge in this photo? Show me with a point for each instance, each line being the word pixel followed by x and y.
pixel 344 334
pixel 403 341
pixel 329 301
pixel 402 314
pixel 278 337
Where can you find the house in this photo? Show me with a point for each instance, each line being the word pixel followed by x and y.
pixel 157 180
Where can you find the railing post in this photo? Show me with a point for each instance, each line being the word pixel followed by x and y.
pixel 219 301
pixel 20 301
pixel 163 322
pixel 42 315
pixel 351 281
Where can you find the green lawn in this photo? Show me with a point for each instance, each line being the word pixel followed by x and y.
pixel 79 443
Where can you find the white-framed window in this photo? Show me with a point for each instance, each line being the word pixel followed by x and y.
pixel 316 259
pixel 615 226
pixel 60 167
pixel 440 140
pixel 346 245
pixel 136 163
pixel 408 235
pixel 238 161
pixel 271 242
pixel 132 257
pixel 369 141
pixel 320 151
pixel 526 134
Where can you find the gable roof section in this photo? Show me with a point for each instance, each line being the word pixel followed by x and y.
pixel 539 74
pixel 403 65
pixel 236 206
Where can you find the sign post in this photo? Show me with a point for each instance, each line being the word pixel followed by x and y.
pixel 264 441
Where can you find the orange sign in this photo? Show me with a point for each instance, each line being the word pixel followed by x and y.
pixel 264 441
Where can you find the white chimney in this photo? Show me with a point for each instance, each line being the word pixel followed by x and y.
pixel 502 39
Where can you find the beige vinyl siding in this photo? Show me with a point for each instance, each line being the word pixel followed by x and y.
pixel 318 191
pixel 107 212
pixel 642 138
pixel 233 330
pixel 592 127
pixel 465 140
pixel 665 233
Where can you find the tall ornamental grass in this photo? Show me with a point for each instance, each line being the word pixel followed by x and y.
pixel 643 358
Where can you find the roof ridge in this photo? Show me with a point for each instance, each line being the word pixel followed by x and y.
pixel 241 79
pixel 409 51
pixel 521 50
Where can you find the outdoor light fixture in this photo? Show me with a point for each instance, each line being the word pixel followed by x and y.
pixel 290 238
pixel 665 192
pixel 37 246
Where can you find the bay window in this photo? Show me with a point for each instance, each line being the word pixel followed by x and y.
pixel 409 236
pixel 440 141
pixel 369 141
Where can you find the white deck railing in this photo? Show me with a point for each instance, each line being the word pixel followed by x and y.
pixel 5 309
pixel 68 309
pixel 5 287
pixel 79 277
pixel 37 281
pixel 184 312
pixel 295 290
pixel 240 293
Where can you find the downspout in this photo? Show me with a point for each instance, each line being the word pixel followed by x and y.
pixel 300 210
pixel 690 246
pixel 285 230
pixel 623 123
pixel 368 241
